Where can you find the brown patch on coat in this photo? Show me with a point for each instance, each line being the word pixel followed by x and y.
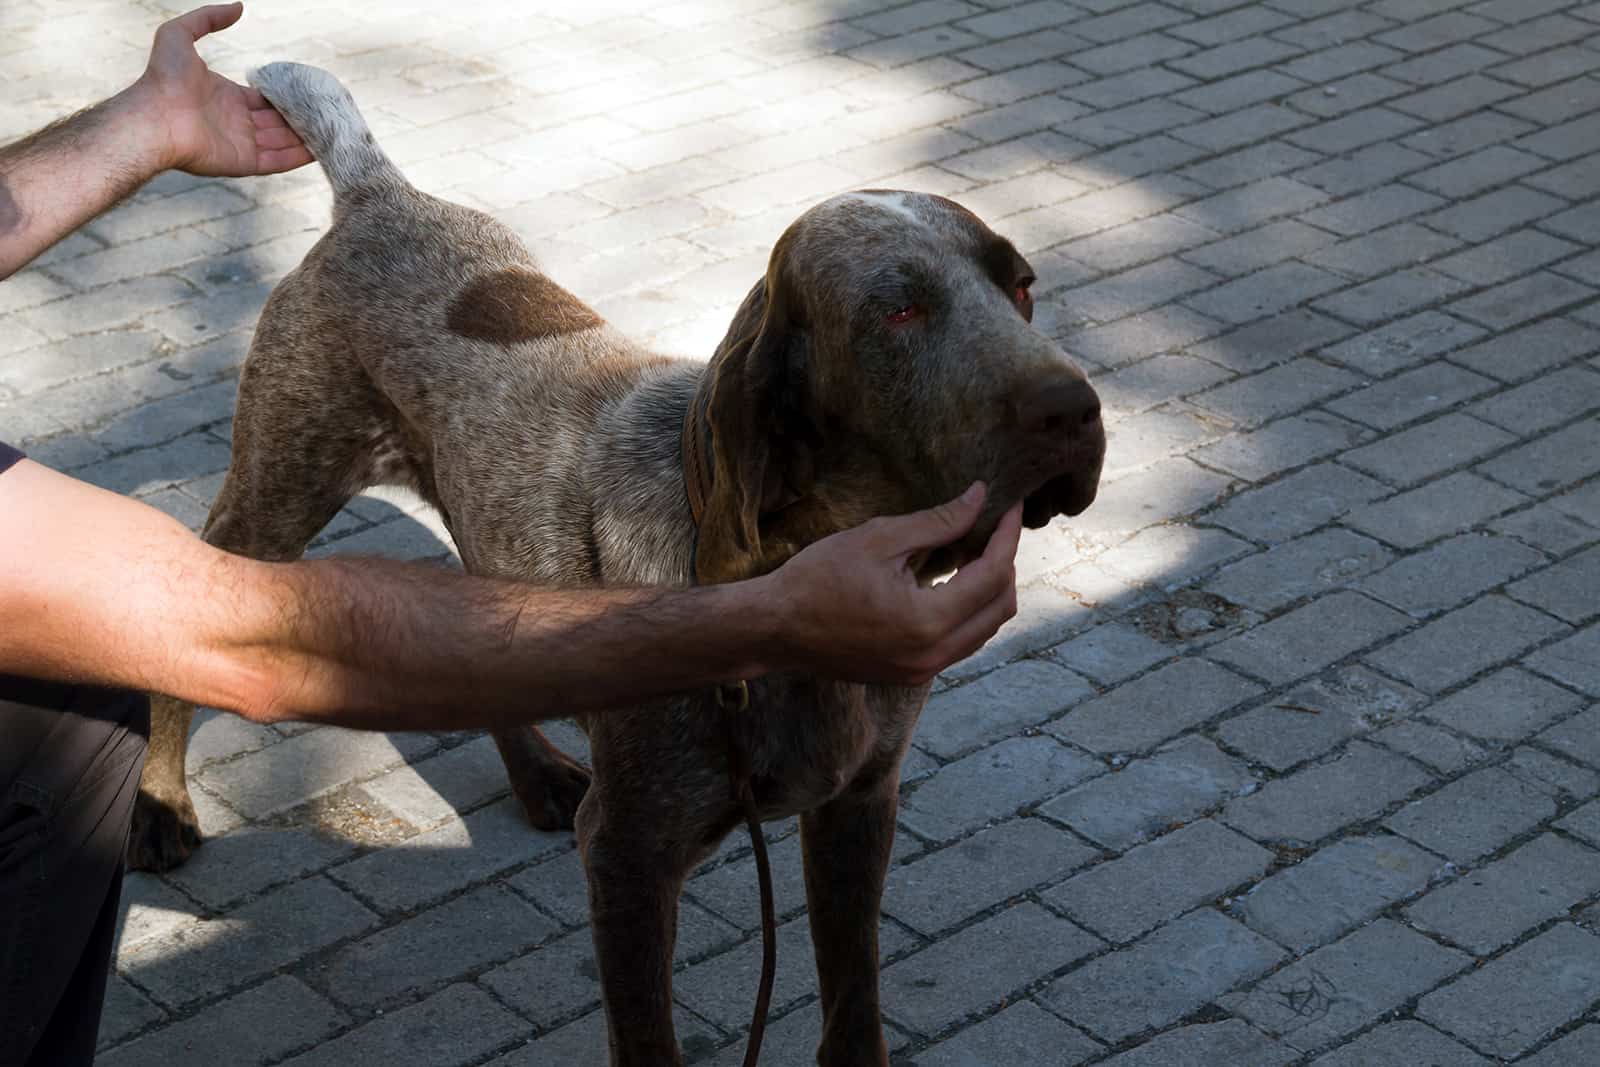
pixel 517 305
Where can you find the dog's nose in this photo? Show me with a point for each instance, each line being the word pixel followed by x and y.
pixel 1060 410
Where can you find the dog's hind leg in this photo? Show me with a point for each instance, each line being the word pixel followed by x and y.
pixel 549 783
pixel 847 845
pixel 294 466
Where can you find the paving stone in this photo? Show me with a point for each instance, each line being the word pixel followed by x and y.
pixel 125 1012
pixel 1272 341
pixel 1276 391
pixel 1163 491
pixel 1147 796
pixel 1336 889
pixel 1179 968
pixel 434 789
pixel 1403 344
pixel 1504 707
pixel 1297 504
pixel 1410 395
pixel 202 959
pixel 1569 590
pixel 1509 1004
pixel 991 784
pixel 466 934
pixel 1517 354
pixel 581 1040
pixel 1022 1033
pixel 560 978
pixel 1165 556
pixel 431 865
pixel 1324 797
pixel 1310 637
pixel 1474 815
pixel 1044 615
pixel 1111 652
pixel 251 859
pixel 1543 403
pixel 1307 566
pixel 1205 1044
pixel 1451 572
pixel 986 963
pixel 1150 709
pixel 1403 244
pixel 1562 779
pixel 1428 449
pixel 1123 898
pixel 254 1027
pixel 1516 302
pixel 1576 737
pixel 1346 985
pixel 997 705
pixel 1470 639
pixel 1439 749
pixel 1313 718
pixel 455 1026
pixel 1492 906
pixel 1580 1046
pixel 1283 444
pixel 1406 1043
pixel 306 766
pixel 935 892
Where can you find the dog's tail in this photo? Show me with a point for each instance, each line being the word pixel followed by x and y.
pixel 322 112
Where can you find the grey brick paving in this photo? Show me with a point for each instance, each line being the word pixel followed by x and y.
pixel 1156 981
pixel 1473 816
pixel 1336 889
pixel 1513 1001
pixel 1343 986
pixel 1333 269
pixel 1181 870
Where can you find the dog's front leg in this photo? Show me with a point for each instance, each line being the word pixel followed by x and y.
pixel 633 904
pixel 847 845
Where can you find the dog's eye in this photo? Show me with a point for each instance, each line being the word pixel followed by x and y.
pixel 905 314
pixel 1023 298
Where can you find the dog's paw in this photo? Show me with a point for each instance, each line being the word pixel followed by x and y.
pixel 164 833
pixel 551 797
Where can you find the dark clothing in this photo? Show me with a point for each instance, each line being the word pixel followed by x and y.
pixel 70 758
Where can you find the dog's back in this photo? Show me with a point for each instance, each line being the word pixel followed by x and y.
pixel 500 377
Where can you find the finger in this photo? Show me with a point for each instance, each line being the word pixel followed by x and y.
pixel 975 632
pixel 281 137
pixel 932 527
pixel 254 100
pixel 268 119
pixel 209 19
pixel 277 160
pixel 980 580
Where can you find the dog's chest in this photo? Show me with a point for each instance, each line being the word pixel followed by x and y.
pixel 811 739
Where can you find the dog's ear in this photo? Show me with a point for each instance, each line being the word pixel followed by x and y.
pixel 765 428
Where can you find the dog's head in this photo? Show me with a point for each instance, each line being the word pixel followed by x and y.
pixel 885 362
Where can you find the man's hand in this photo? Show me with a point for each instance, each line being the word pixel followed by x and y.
pixel 853 607
pixel 178 114
pixel 210 125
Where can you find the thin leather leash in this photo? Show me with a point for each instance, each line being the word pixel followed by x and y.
pixel 733 698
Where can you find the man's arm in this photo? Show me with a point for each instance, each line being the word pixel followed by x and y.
pixel 98 588
pixel 178 114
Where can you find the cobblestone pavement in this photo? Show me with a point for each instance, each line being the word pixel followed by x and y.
pixel 1292 753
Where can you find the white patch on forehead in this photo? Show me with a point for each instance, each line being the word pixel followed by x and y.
pixel 894 201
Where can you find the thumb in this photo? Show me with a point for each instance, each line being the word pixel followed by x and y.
pixel 938 525
pixel 204 20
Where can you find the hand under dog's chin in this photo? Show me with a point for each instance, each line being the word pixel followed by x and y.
pixel 1064 495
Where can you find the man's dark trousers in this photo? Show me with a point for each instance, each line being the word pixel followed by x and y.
pixel 70 758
